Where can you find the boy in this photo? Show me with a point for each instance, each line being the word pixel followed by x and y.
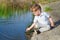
pixel 42 21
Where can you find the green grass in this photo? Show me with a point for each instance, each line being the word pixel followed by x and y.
pixel 47 1
pixel 6 11
pixel 47 9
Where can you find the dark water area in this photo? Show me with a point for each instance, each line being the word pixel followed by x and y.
pixel 14 27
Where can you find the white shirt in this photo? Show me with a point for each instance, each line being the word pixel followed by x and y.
pixel 42 19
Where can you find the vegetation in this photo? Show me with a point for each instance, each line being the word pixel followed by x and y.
pixel 7 10
pixel 48 9
pixel 8 7
pixel 47 1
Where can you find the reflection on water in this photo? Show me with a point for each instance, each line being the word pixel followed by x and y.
pixel 14 27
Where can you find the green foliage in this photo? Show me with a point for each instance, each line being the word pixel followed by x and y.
pixel 48 9
pixel 47 1
pixel 5 12
pixel 33 2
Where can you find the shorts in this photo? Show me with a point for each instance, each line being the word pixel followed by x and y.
pixel 41 28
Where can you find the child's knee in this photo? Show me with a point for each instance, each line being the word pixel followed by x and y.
pixel 44 29
pixel 36 28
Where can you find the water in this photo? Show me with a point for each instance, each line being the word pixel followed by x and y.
pixel 14 27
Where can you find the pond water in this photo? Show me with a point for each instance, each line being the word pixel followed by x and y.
pixel 14 27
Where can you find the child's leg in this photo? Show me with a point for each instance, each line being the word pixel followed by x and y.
pixel 36 29
pixel 44 28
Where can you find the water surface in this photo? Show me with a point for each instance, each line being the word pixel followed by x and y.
pixel 14 27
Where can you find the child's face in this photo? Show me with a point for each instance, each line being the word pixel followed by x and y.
pixel 36 12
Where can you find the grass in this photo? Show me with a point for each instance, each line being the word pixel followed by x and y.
pixel 47 9
pixel 47 1
pixel 6 11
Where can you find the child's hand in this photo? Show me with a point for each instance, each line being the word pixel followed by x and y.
pixel 27 29
pixel 30 27
pixel 52 25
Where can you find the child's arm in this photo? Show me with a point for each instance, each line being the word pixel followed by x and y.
pixel 51 21
pixel 33 24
